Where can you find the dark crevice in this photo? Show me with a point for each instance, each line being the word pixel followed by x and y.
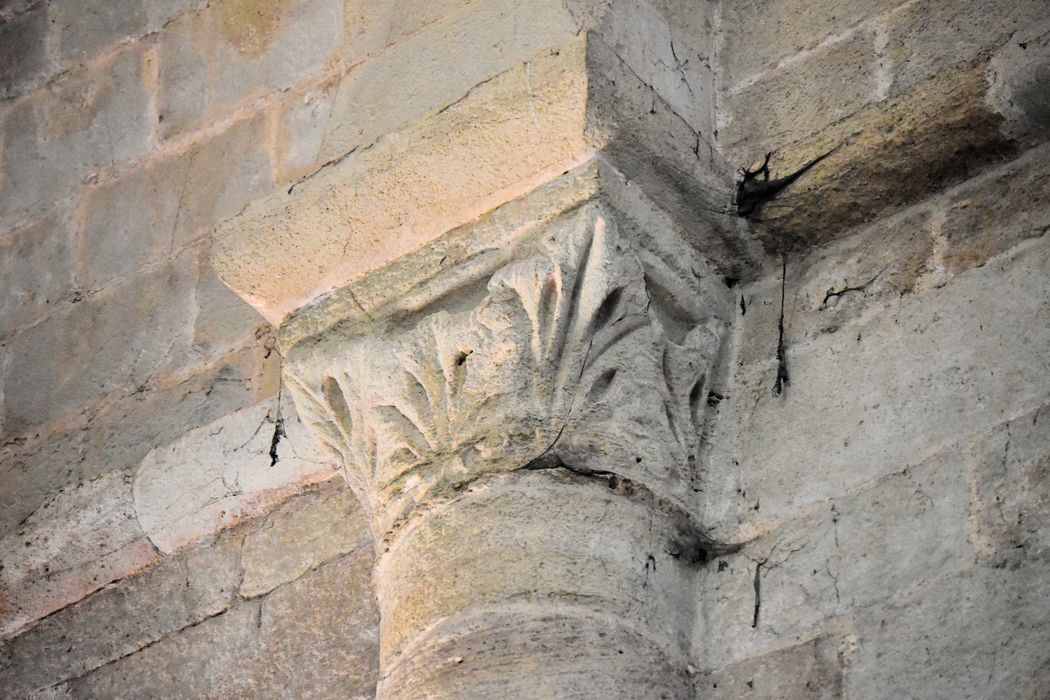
pixel 782 371
pixel 758 593
pixel 835 293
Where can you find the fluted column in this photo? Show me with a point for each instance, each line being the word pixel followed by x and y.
pixel 525 442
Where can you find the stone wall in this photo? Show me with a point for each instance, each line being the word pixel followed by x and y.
pixel 167 524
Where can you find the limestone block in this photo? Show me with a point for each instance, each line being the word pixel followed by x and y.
pixel 162 207
pixel 82 122
pixel 983 633
pixel 118 436
pixel 372 26
pixel 518 131
pixel 78 542
pixel 122 618
pixel 801 99
pixel 211 61
pixel 818 440
pixel 1018 73
pixel 24 55
pixel 36 271
pixel 434 68
pixel 760 34
pixel 812 669
pixel 839 285
pixel 1011 490
pixel 302 534
pixel 224 322
pixel 930 37
pixel 990 215
pixel 302 122
pixel 86 30
pixel 411 187
pixel 115 341
pixel 315 637
pixel 840 557
pixel 889 155
pixel 662 56
pixel 221 474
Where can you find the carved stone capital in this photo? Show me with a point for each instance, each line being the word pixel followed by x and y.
pixel 592 350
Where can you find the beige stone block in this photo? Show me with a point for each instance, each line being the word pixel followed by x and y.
pixel 160 208
pixel 372 26
pixel 85 30
pixel 36 271
pixel 434 68
pixel 81 540
pixel 315 637
pixel 801 99
pixel 122 618
pixel 306 532
pixel 112 343
pixel 759 34
pixel 805 671
pixel 117 436
pixel 221 474
pixel 991 214
pixel 213 60
pixel 82 123
pixel 515 131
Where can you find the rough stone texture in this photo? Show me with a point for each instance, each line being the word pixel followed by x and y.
pixel 84 538
pixel 159 209
pixel 314 637
pixel 892 507
pixel 809 670
pixel 115 341
pixel 80 123
pixel 36 271
pixel 301 535
pixel 23 37
pixel 241 49
pixel 219 474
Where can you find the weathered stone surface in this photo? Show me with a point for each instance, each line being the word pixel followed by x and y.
pixel 82 122
pixel 1011 490
pixel 36 271
pixel 303 122
pixel 801 99
pixel 663 58
pixel 379 204
pixel 224 322
pixel 122 618
pixel 81 540
pixel 220 474
pixel 317 527
pixel 890 155
pixel 1018 73
pixel 214 59
pixel 315 637
pixel 931 37
pixel 115 341
pixel 434 68
pixel 842 556
pixel 818 439
pixel 86 30
pixel 759 34
pixel 372 26
pixel 992 214
pixel 840 284
pixel 118 436
pixel 23 49
pixel 984 633
pixel 810 670
pixel 159 209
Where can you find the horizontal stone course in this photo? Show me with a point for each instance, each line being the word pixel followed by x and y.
pixel 213 60
pixel 761 33
pixel 36 271
pixel 941 340
pixel 78 125
pixel 160 208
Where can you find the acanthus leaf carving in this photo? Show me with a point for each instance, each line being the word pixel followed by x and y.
pixel 582 347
